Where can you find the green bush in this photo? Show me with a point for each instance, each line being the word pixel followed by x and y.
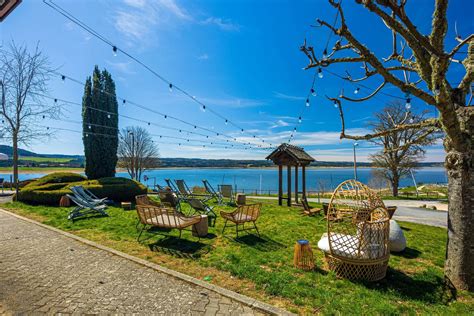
pixel 49 191
pixel 58 177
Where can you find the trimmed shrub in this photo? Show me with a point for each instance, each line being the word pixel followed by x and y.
pixel 57 177
pixel 49 191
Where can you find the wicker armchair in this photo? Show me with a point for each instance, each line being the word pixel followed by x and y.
pixel 356 244
pixel 241 215
pixel 163 217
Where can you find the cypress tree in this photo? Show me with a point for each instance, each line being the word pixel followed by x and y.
pixel 100 125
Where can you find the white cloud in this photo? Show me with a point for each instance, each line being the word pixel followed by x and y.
pixel 280 123
pixel 223 24
pixel 280 95
pixel 135 3
pixel 172 7
pixel 203 57
pixel 124 67
pixel 232 102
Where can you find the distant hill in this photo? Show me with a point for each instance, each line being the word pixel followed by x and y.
pixel 29 158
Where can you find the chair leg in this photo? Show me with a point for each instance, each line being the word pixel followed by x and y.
pixel 237 230
pixel 225 225
pixel 180 231
pixel 141 231
pixel 255 225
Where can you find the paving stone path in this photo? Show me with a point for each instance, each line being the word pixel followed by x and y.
pixel 42 271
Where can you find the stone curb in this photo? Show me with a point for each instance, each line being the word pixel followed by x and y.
pixel 251 302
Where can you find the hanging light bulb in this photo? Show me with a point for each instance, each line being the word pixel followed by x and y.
pixel 166 116
pixel 437 90
pixel 171 87
pixel 307 102
pixel 313 92
pixel 411 120
pixel 114 49
pixel 203 108
pixel 44 116
pixel 356 90
pixel 294 130
pixel 325 53
pixel 89 127
pixel 108 116
pixel 242 131
pixel 87 135
pixel 299 120
pixel 408 104
pixel 336 104
pixel 148 123
pixel 124 101
pixel 320 73
pixel 55 101
pixel 63 78
pixel 226 122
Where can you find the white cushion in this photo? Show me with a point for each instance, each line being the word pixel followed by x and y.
pixel 396 239
pixel 342 245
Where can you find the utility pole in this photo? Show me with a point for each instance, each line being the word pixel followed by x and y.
pixel 355 160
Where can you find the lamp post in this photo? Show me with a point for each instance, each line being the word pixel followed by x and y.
pixel 355 160
pixel 133 155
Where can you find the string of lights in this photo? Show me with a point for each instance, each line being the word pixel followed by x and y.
pixel 126 101
pixel 87 134
pixel 109 114
pixel 116 49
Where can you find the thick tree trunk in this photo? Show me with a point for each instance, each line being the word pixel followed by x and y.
pixel 459 267
pixel 395 184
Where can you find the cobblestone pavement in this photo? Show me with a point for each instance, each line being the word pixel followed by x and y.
pixel 42 271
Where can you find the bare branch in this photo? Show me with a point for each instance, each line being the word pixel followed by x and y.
pixel 367 97
pixel 461 44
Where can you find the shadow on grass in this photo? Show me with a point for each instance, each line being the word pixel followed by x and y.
pixel 182 248
pixel 408 253
pixel 425 287
pixel 88 216
pixel 263 243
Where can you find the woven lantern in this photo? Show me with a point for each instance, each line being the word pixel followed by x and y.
pixel 64 202
pixel 303 256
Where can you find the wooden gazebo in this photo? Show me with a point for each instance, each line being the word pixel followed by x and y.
pixel 289 156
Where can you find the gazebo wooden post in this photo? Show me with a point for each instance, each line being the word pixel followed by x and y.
pixel 289 185
pixel 303 171
pixel 296 184
pixel 280 184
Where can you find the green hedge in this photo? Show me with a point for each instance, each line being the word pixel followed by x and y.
pixel 57 177
pixel 49 191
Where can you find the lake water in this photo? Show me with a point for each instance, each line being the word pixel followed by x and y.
pixel 267 179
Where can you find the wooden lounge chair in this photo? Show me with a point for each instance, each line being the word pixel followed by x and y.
pixel 187 193
pixel 356 245
pixel 169 199
pixel 172 187
pixel 84 208
pixel 307 210
pixel 87 195
pixel 241 215
pixel 145 200
pixel 163 217
pixel 202 208
pixel 213 193
pixel 227 191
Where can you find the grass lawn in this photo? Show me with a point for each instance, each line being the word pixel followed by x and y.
pixel 46 159
pixel 262 268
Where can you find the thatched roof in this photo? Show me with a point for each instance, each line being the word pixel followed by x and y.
pixel 291 155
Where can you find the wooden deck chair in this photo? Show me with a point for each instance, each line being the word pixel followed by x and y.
pixel 307 210
pixel 241 215
pixel 169 199
pixel 227 191
pixel 84 208
pixel 202 208
pixel 183 188
pixel 163 217
pixel 172 186
pixel 213 193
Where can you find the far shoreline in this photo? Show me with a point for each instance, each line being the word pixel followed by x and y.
pixel 46 170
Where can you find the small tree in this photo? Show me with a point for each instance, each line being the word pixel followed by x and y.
pixel 402 149
pixel 24 78
pixel 100 125
pixel 137 152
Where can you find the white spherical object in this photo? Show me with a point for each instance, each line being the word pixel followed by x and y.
pixel 397 241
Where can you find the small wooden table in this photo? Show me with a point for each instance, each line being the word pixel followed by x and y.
pixel 201 229
pixel 126 205
pixel 241 199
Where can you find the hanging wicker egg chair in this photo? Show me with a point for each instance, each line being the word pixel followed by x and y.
pixel 356 242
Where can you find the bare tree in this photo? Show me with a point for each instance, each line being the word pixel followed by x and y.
pixel 418 67
pixel 397 160
pixel 137 152
pixel 24 80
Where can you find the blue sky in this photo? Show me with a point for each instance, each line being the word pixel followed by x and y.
pixel 241 58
